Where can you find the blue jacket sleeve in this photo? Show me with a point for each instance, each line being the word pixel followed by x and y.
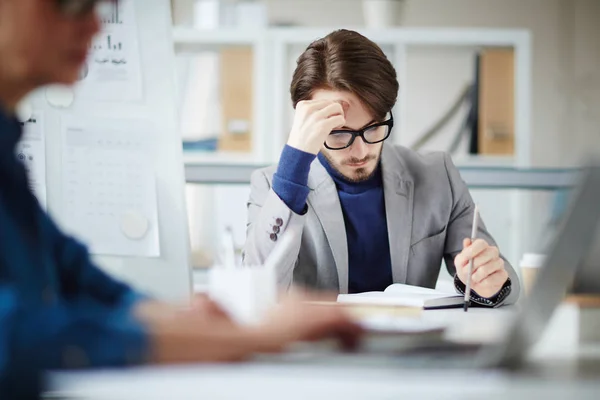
pixel 88 323
pixel 79 275
pixel 73 334
pixel 291 179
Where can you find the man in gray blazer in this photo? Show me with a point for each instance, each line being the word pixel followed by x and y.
pixel 364 213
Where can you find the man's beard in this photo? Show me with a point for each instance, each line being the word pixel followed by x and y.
pixel 359 174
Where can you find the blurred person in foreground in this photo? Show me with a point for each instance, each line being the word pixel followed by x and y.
pixel 371 213
pixel 57 309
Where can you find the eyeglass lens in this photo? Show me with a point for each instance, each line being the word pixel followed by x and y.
pixel 340 140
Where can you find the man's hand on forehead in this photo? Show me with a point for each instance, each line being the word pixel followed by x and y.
pixel 313 122
pixel 345 105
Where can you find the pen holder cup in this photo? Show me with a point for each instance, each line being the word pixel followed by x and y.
pixel 246 294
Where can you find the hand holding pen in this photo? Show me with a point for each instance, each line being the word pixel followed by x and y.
pixel 487 273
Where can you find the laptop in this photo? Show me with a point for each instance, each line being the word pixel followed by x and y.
pixel 566 258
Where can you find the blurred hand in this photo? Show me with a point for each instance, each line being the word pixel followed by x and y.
pixel 299 318
pixel 201 308
pixel 489 274
pixel 205 333
pixel 313 122
pixel 204 307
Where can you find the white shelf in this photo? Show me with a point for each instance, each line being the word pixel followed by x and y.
pixel 410 36
pixel 221 158
pixel 484 161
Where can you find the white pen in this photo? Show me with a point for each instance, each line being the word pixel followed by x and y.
pixel 470 273
pixel 228 248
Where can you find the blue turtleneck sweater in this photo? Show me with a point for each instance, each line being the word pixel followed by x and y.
pixel 363 207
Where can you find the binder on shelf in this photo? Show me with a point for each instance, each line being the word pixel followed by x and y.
pixel 496 134
pixel 237 65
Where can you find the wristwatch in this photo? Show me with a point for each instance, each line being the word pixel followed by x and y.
pixel 493 301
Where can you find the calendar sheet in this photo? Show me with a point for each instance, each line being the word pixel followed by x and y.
pixel 109 187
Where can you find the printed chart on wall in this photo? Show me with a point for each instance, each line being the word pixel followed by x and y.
pixel 31 151
pixel 109 185
pixel 113 71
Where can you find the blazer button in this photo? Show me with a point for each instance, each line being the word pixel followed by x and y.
pixel 273 237
pixel 279 222
pixel 276 229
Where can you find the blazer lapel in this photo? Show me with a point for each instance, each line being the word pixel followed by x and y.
pixel 325 202
pixel 398 194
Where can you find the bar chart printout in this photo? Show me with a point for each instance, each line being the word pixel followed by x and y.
pixel 112 14
pixel 113 69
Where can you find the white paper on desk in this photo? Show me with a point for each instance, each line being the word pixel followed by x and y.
pixel 387 323
pixel 113 69
pixel 107 174
pixel 31 150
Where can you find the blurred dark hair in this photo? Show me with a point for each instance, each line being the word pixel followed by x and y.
pixel 346 60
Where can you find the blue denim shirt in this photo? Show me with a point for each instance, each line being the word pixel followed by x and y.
pixel 57 309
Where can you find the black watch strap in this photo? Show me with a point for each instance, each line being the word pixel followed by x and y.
pixel 493 301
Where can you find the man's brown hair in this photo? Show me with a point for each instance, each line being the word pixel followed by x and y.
pixel 346 60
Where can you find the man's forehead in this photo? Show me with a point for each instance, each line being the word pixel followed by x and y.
pixel 348 100
pixel 344 98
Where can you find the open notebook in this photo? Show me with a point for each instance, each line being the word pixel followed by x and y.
pixel 405 295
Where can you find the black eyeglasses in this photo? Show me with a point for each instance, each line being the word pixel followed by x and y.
pixel 77 8
pixel 341 139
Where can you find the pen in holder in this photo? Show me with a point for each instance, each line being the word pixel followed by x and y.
pixel 247 292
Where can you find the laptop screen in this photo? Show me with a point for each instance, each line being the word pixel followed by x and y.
pixel 571 246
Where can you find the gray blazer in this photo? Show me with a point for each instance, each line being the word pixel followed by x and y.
pixel 429 213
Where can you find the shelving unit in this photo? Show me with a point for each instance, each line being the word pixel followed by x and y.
pixel 272 50
pixel 189 41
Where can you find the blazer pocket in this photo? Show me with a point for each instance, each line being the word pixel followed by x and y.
pixel 431 238
pixel 425 260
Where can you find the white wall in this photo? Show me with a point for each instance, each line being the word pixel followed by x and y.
pixel 327 13
pixel 585 77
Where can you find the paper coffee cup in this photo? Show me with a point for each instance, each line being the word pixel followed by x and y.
pixel 530 265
